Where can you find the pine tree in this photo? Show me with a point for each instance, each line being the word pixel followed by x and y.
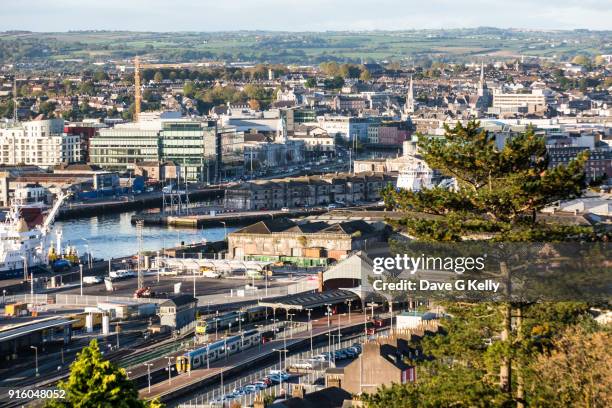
pixel 499 190
pixel 498 194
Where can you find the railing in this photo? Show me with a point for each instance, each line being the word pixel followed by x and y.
pixel 26 298
pixel 260 293
pixel 212 398
pixel 88 300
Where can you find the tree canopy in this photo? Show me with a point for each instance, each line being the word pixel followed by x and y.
pixel 499 190
pixel 95 382
pixel 490 354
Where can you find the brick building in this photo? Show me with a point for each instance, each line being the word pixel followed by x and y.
pixel 309 243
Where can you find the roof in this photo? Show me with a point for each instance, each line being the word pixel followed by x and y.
pixel 305 301
pixel 179 300
pixel 267 226
pixel 31 327
pixel 279 225
pixel 331 397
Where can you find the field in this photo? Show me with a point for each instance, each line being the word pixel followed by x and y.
pixel 302 48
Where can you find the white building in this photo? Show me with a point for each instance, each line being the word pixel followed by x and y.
pixel 41 143
pixel 412 320
pixel 346 127
pixel 515 102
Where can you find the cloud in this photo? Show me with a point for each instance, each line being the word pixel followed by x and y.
pixel 299 15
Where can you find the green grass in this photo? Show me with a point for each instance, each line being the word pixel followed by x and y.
pixel 300 47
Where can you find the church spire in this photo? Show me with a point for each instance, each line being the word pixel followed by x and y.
pixel 482 85
pixel 409 105
pixel 481 72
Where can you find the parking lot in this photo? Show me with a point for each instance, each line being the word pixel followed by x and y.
pixel 165 286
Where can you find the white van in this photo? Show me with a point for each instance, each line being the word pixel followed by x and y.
pixel 122 274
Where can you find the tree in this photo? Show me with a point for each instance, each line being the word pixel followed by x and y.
pixel 47 108
pixel 311 82
pixel 333 83
pixel 498 193
pixel 255 92
pixel 86 88
pixel 67 86
pixel 188 89
pixel 330 68
pixel 365 75
pixel 577 372
pixel 600 60
pixel 95 382
pixel 581 60
pixel 158 77
pixel 254 104
pixel 100 76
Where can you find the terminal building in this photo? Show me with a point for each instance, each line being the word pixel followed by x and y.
pixel 18 338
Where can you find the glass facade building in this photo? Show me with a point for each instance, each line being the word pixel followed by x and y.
pixel 200 150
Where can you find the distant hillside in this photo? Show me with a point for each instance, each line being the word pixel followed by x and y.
pixel 302 48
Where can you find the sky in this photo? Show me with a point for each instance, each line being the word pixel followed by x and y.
pixel 301 15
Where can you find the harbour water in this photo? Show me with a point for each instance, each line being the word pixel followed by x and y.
pixel 113 235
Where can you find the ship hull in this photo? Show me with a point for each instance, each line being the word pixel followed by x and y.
pixel 17 273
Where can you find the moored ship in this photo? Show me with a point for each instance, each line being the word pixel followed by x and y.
pixel 25 238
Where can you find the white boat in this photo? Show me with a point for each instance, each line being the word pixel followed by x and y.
pixel 25 238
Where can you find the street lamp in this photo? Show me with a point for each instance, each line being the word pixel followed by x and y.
pixel 117 328
pixel 224 229
pixel 310 326
pixel 149 374
pixel 349 302
pixel 36 356
pixel 89 260
pixel 81 275
pixel 291 322
pixel 169 369
pixel 329 313
pixel 217 327
pixel 280 365
pixel 25 268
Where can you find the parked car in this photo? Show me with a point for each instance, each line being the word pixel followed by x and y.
pixel 304 365
pixel 92 280
pixel 260 385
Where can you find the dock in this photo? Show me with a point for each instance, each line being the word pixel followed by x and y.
pixel 228 218
pixel 130 202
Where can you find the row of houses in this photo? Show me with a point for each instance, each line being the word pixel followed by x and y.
pixel 306 191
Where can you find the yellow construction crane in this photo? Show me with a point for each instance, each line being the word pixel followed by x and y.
pixel 137 96
pixel 137 67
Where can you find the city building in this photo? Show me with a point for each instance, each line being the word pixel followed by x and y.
pixel 39 142
pixel 178 311
pixel 532 102
pixel 383 361
pixel 380 363
pixel 200 149
pixel 306 191
pixel 347 128
pixel 307 243
pixel 315 139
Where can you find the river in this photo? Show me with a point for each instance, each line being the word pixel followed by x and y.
pixel 113 235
